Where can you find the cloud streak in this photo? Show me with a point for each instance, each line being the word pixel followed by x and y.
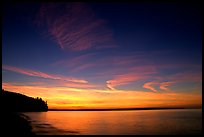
pixel 42 74
pixel 130 74
pixel 50 84
pixel 149 85
pixel 123 79
pixel 74 26
pixel 162 85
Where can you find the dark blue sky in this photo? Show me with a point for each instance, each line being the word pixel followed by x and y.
pixel 148 47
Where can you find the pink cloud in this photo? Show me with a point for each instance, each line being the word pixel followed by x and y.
pixel 164 85
pixel 149 85
pixel 75 27
pixel 42 74
pixel 129 74
pixel 123 79
pixel 55 84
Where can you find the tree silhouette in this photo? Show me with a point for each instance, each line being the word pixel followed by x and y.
pixel 17 102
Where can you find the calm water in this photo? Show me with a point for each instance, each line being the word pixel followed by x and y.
pixel 136 122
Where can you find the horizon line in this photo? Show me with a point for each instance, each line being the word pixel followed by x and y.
pixel 117 109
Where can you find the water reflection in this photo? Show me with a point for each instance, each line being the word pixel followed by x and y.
pixel 118 122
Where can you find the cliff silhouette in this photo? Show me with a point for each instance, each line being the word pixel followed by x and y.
pixel 16 102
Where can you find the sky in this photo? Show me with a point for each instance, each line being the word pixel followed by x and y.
pixel 104 55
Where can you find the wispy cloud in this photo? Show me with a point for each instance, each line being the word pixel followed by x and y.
pixel 164 85
pixel 74 26
pixel 123 79
pixel 149 85
pixel 50 84
pixel 125 69
pixel 130 73
pixel 42 74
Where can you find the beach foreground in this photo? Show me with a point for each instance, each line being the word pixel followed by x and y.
pixel 15 124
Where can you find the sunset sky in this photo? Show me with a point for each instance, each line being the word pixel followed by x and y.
pixel 104 55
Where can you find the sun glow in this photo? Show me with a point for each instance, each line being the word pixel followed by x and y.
pixel 75 98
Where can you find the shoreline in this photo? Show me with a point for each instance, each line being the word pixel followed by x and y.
pixel 15 123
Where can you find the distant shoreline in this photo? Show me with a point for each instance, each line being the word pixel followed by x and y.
pixel 119 109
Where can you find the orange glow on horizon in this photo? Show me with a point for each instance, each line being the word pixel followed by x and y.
pixel 75 98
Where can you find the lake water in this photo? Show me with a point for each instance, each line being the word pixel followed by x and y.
pixel 132 122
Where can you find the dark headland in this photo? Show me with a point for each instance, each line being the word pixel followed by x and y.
pixel 13 122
